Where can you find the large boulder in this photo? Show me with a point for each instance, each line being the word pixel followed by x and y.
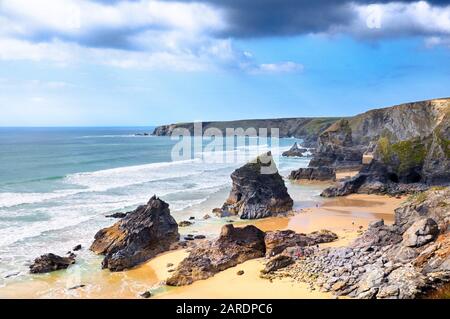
pixel 258 190
pixel 234 246
pixel 420 233
pixel 51 262
pixel 322 173
pixel 139 236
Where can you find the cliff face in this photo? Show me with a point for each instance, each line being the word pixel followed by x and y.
pixel 400 122
pixel 305 128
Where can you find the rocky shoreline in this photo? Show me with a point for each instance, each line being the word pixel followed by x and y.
pixel 405 260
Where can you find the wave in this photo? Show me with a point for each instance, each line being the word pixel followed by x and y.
pixel 15 199
pixel 104 180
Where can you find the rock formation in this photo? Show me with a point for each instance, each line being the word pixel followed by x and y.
pixel 277 241
pixel 51 262
pixel 295 151
pixel 322 173
pixel 408 142
pixel 139 236
pixel 234 246
pixel 258 191
pixel 404 260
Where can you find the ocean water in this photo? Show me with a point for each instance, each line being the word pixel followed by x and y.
pixel 57 185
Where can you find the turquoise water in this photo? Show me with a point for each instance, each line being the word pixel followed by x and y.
pixel 57 185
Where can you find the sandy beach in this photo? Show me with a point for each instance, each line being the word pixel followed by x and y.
pixel 345 216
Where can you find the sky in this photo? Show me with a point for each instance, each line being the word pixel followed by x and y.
pixel 146 62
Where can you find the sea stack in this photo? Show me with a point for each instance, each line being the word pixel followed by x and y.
pixel 258 190
pixel 295 151
pixel 139 236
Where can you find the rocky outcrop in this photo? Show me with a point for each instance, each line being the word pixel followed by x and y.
pixel 404 260
pixel 258 191
pixel 322 173
pixel 139 236
pixel 51 262
pixel 407 144
pixel 234 246
pixel 336 149
pixel 294 151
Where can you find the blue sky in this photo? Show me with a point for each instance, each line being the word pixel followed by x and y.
pixel 154 62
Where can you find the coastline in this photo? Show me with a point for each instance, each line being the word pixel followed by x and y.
pixel 343 216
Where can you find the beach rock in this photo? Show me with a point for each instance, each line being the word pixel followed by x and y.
pixel 294 151
pixel 420 233
pixel 322 173
pixel 277 262
pixel 277 241
pixel 240 273
pixel 258 190
pixel 76 287
pixel 146 294
pixel 207 216
pixel 234 246
pixel 50 262
pixel 184 223
pixel 77 247
pixel 219 212
pixel 141 235
pixel 117 215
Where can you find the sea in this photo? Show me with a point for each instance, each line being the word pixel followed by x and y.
pixel 58 184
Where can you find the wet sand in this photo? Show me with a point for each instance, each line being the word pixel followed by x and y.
pixel 345 216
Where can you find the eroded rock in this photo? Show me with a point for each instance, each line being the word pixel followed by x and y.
pixel 51 262
pixel 234 246
pixel 258 191
pixel 141 235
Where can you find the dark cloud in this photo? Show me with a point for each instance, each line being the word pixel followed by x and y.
pixel 260 18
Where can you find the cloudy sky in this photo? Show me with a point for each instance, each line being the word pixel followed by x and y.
pixel 146 62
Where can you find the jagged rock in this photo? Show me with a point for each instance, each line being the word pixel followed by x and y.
pixel 378 234
pixel 420 233
pixel 382 263
pixel 50 262
pixel 322 173
pixel 433 204
pixel 258 191
pixel 278 241
pixel 277 262
pixel 335 148
pixel 295 151
pixel 142 234
pixel 234 246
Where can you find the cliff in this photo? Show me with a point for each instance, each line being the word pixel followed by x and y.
pixel 306 128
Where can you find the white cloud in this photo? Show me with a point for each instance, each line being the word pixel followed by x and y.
pixel 282 67
pixel 399 19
